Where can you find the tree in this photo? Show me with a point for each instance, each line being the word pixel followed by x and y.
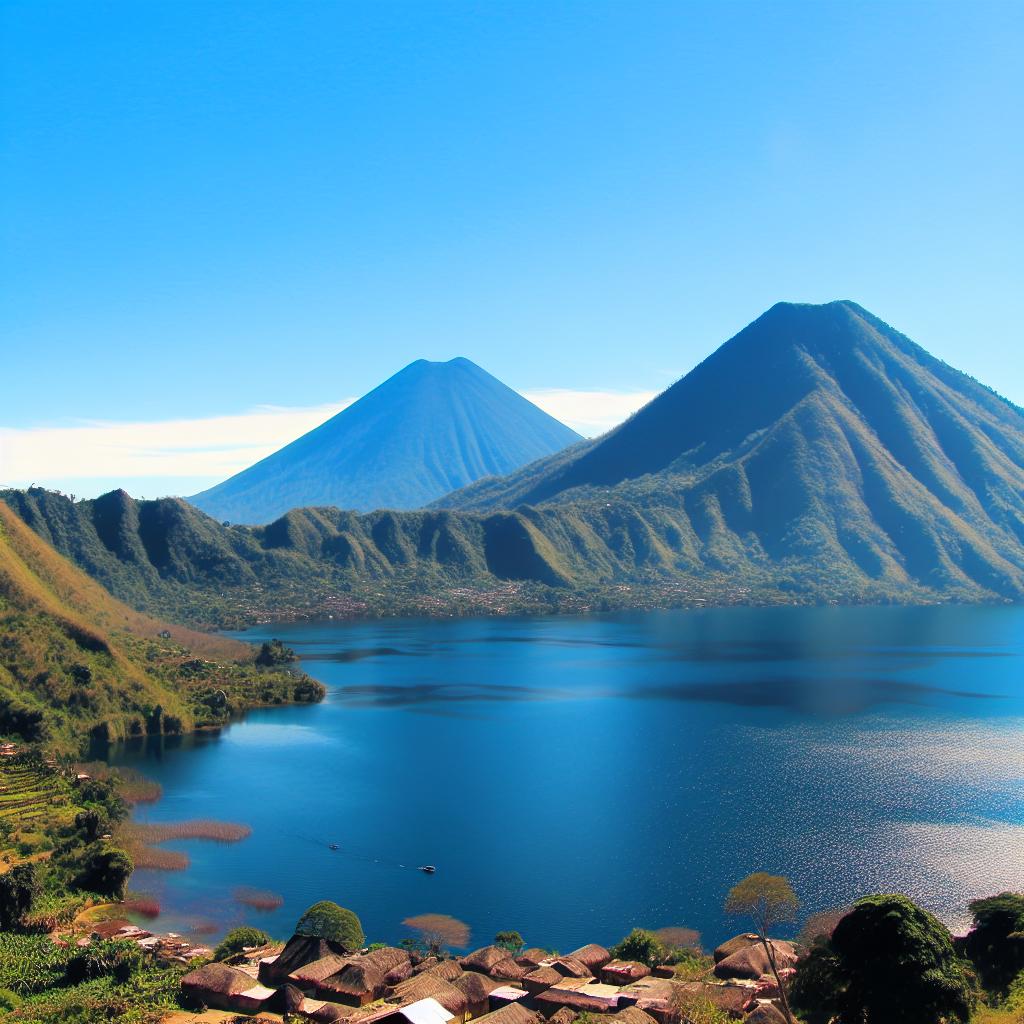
pixel 679 938
pixel 19 889
pixel 888 962
pixel 244 937
pixel 768 900
pixel 512 941
pixel 640 945
pixel 326 920
pixel 88 822
pixel 273 653
pixel 821 925
pixel 105 871
pixel 439 930
pixel 995 945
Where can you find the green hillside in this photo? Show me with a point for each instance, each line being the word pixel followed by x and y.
pixel 78 665
pixel 817 456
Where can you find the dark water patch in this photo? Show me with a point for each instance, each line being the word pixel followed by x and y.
pixel 362 653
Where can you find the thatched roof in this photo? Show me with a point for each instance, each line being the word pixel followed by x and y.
pixel 364 975
pixel 287 999
pixel 508 970
pixel 218 978
pixel 315 972
pixel 626 970
pixel 425 964
pixel 399 973
pixel 429 986
pixel 735 944
pixel 562 1016
pixel 752 961
pixel 632 1015
pixel 484 959
pixel 476 987
pixel 514 1013
pixel 765 1013
pixel 328 1013
pixel 446 970
pixel 533 957
pixel 301 950
pixel 568 966
pixel 580 1000
pixel 593 955
pixel 541 978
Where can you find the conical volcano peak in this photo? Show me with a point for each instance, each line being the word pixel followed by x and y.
pixel 429 429
pixel 836 358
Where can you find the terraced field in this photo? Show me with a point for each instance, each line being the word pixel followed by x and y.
pixel 30 796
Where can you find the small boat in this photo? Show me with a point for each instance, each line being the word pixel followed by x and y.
pixel 428 869
pixel 334 846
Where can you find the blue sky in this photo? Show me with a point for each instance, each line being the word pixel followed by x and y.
pixel 211 208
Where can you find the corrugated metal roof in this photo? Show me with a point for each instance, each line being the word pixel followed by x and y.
pixel 426 1011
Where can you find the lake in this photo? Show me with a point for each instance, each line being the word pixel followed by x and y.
pixel 572 778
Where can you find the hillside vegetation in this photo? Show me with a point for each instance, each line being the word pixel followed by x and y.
pixel 77 664
pixel 817 456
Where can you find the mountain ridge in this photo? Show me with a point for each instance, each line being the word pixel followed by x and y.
pixel 819 455
pixel 429 429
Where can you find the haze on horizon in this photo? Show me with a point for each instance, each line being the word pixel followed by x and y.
pixel 220 223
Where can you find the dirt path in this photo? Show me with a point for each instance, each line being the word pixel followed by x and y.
pixel 213 1017
pixel 34 858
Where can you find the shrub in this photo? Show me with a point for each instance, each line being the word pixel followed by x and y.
pixel 512 941
pixel 888 962
pixel 106 872
pixel 438 931
pixel 238 939
pixel 19 889
pixel 995 945
pixel 640 945
pixel 117 959
pixel 326 920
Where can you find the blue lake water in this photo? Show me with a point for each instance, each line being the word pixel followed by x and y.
pixel 572 778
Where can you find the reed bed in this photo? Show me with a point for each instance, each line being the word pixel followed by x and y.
pixel 258 899
pixel 199 828
pixel 145 906
pixel 140 839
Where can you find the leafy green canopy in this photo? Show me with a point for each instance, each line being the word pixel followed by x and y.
pixel 510 940
pixel 888 962
pixel 243 937
pixel 767 899
pixel 326 920
pixel 995 944
pixel 640 945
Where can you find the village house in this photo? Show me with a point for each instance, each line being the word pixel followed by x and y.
pixel 325 985
pixel 224 988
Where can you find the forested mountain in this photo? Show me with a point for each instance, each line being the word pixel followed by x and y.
pixel 817 433
pixel 427 430
pixel 818 455
pixel 78 665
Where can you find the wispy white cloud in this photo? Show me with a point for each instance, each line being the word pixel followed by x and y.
pixel 210 447
pixel 186 455
pixel 589 412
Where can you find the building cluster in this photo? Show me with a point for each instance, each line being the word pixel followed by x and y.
pixel 317 980
pixel 170 948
